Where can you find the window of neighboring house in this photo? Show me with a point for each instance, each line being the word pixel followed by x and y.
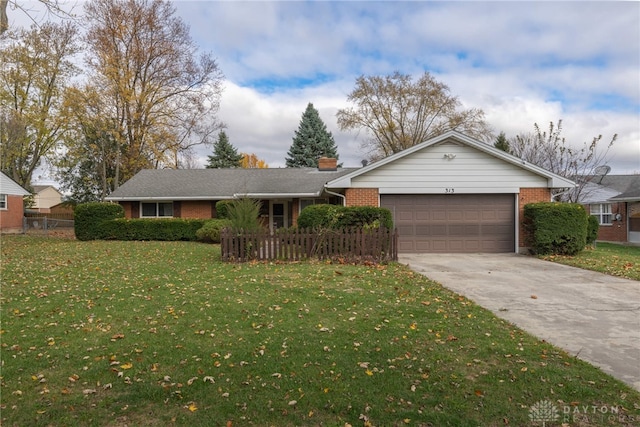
pixel 3 201
pixel 308 202
pixel 602 211
pixel 156 210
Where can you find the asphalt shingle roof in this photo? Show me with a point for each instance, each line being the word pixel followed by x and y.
pixel 206 184
pixel 614 188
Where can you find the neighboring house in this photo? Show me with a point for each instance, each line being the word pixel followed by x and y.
pixel 451 193
pixel 11 205
pixel 45 197
pixel 615 201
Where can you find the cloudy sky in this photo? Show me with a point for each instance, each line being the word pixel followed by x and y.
pixel 520 62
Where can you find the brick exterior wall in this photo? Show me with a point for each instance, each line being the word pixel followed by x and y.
pixel 11 218
pixel 529 195
pixel 617 231
pixel 196 209
pixel 362 197
pixel 128 209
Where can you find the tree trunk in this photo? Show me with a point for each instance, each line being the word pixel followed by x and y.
pixel 4 20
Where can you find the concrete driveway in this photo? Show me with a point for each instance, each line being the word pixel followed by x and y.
pixel 590 315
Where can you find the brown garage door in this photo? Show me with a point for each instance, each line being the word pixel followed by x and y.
pixel 453 223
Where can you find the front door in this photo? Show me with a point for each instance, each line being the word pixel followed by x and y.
pixel 278 214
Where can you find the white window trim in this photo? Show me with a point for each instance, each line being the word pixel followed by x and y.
pixel 601 210
pixel 4 202
pixel 156 215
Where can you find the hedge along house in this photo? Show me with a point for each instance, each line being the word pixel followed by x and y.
pixel 448 194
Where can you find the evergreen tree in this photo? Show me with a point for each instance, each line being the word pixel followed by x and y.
pixel 501 143
pixel 311 141
pixel 225 155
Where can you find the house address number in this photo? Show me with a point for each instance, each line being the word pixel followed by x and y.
pixel 449 190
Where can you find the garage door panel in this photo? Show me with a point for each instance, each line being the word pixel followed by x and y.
pixel 454 223
pixel 405 230
pixel 422 216
pixel 456 215
pixel 405 216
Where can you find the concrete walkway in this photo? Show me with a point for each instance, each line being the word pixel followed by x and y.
pixel 590 315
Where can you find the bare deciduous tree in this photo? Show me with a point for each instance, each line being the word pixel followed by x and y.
pixel 52 6
pixel 398 113
pixel 552 152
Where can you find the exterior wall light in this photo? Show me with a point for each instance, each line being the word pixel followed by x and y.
pixel 449 156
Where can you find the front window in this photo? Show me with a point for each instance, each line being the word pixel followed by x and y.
pixel 3 201
pixel 156 210
pixel 602 211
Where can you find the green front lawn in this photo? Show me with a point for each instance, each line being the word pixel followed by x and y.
pixel 163 333
pixel 609 258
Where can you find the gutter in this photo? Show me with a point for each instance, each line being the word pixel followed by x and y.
pixel 342 196
pixel 213 197
pixel 275 195
pixel 142 199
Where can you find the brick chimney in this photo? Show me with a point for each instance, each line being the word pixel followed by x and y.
pixel 327 164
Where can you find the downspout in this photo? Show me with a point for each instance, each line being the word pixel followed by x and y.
pixel 342 196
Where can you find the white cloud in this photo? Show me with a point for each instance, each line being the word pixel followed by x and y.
pixel 521 62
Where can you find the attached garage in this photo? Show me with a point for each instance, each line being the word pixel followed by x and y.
pixel 452 194
pixel 450 223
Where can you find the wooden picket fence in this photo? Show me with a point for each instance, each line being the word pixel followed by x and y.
pixel 351 245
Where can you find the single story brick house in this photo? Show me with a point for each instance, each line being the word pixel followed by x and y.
pixel 451 193
pixel 11 205
pixel 615 201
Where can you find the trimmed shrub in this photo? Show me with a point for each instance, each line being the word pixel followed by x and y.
pixel 244 214
pixel 222 209
pixel 89 218
pixel 210 231
pixel 340 217
pixel 320 216
pixel 167 229
pixel 592 229
pixel 555 228
pixel 366 216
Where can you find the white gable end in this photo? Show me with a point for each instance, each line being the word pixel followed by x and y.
pixel 10 187
pixel 449 167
